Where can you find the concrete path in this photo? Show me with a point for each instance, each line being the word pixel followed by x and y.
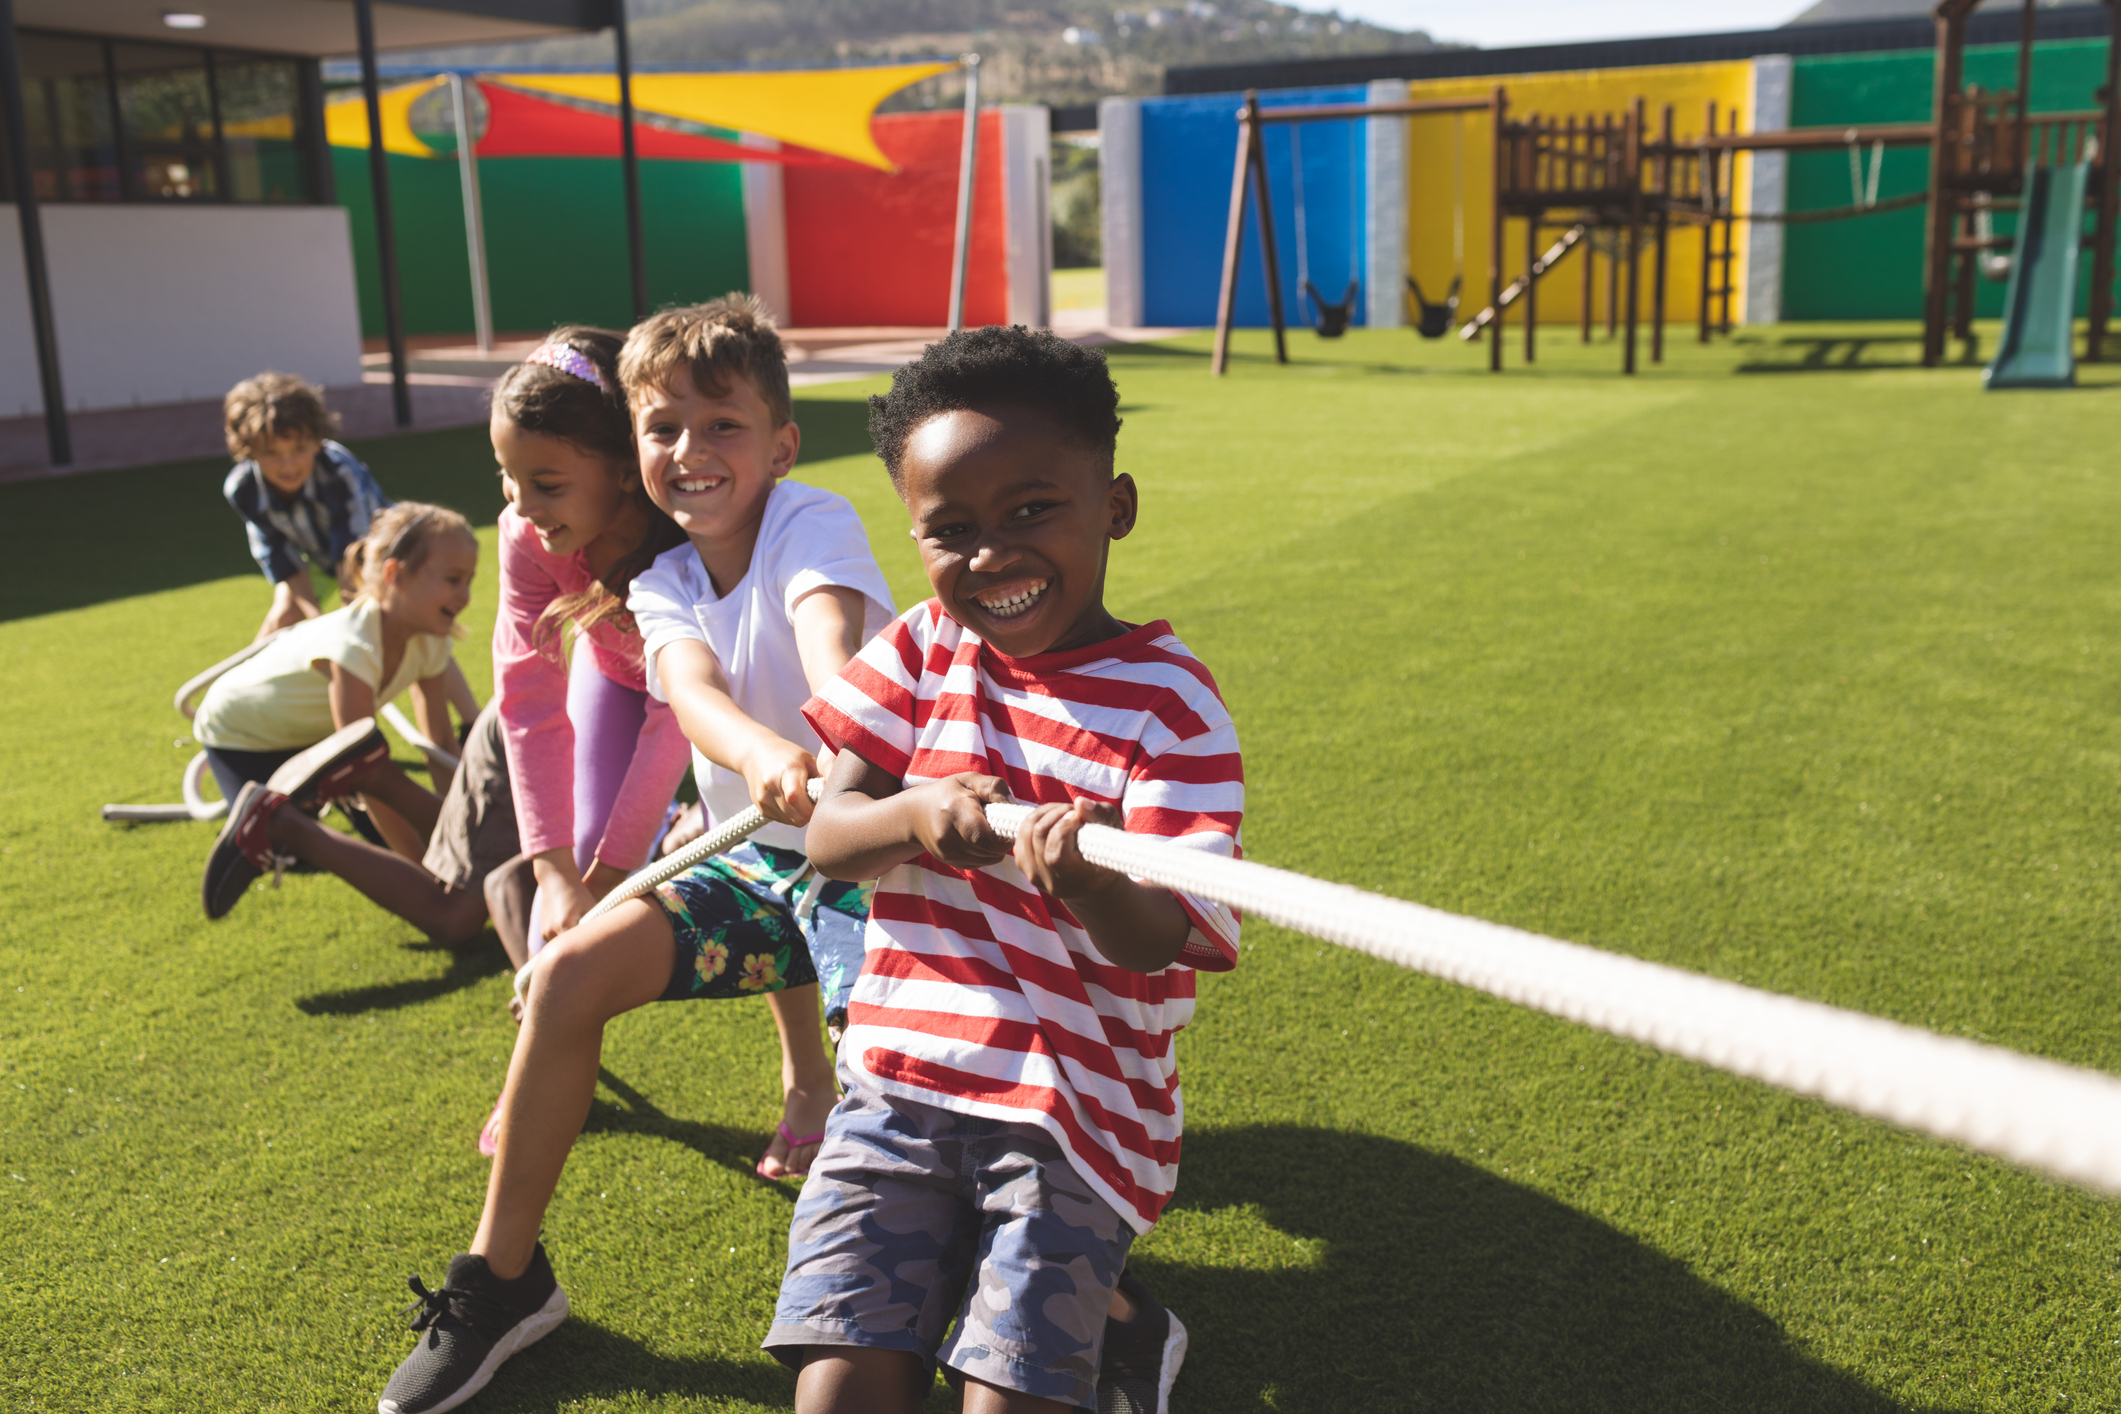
pixel 450 384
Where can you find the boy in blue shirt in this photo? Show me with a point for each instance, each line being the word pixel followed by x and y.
pixel 301 495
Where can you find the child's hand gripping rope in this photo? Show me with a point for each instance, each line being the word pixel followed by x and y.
pixel 2034 1112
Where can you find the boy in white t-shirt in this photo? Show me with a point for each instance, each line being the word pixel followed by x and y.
pixel 772 595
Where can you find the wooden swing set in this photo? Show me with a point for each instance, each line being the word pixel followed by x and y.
pixel 1606 179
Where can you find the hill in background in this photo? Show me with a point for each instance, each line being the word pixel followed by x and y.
pixel 1830 11
pixel 1041 51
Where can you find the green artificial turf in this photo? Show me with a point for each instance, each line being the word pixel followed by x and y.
pixel 1788 661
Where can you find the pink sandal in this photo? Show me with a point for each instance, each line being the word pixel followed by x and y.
pixel 793 1143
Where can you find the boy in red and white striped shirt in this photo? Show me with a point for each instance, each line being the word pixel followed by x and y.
pixel 1012 1117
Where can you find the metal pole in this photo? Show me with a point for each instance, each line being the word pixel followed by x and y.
pixel 630 163
pixel 968 157
pixel 474 222
pixel 58 440
pixel 386 234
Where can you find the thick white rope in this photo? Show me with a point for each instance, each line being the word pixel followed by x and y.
pixel 2033 1112
pixel 417 739
pixel 2038 1113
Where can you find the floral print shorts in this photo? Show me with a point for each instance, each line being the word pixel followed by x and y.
pixel 758 919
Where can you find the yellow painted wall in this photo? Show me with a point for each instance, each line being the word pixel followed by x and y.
pixel 1449 153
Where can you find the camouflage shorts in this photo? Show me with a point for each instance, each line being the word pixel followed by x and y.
pixel 919 1224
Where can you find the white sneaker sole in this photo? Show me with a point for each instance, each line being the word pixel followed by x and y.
pixel 1174 1356
pixel 527 1331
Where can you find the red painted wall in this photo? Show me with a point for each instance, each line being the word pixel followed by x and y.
pixel 869 247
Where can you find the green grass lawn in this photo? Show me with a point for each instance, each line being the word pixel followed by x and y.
pixel 1788 662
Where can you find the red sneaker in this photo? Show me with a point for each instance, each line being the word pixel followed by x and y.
pixel 325 771
pixel 243 849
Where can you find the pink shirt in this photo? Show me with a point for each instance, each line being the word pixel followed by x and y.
pixel 531 684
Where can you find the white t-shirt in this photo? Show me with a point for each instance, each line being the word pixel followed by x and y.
pixel 809 539
pixel 276 701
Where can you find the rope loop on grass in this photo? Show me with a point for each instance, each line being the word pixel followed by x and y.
pixel 2037 1113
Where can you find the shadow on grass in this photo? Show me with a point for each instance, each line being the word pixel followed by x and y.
pixel 1436 1285
pixel 583 1361
pixel 467 966
pixel 108 535
pixel 735 1149
pixel 1842 353
pixel 833 429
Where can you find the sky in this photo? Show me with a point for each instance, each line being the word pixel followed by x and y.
pixel 1495 24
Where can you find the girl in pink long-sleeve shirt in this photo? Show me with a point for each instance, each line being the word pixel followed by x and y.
pixel 592 759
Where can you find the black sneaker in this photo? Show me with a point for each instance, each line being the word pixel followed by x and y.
pixel 1141 1357
pixel 325 771
pixel 467 1329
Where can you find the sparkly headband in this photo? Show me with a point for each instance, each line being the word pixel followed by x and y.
pixel 569 361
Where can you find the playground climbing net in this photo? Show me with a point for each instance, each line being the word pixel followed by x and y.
pixel 2033 1112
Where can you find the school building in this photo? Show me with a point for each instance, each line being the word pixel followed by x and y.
pixel 173 220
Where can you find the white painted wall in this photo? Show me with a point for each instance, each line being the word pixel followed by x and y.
pixel 1027 154
pixel 766 227
pixel 1384 285
pixel 164 304
pixel 1770 192
pixel 1119 160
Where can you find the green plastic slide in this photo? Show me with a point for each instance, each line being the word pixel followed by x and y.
pixel 2040 305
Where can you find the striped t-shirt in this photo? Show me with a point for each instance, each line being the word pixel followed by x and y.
pixel 978 993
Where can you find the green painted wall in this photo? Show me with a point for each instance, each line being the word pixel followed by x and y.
pixel 1870 267
pixel 555 238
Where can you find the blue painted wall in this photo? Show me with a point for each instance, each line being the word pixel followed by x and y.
pixel 1189 147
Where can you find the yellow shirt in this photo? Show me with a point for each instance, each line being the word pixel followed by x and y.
pixel 276 701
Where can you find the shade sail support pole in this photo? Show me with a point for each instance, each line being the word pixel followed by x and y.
pixel 474 221
pixel 58 437
pixel 968 160
pixel 386 228
pixel 630 163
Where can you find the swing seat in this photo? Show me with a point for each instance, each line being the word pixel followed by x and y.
pixel 1436 319
pixel 1331 320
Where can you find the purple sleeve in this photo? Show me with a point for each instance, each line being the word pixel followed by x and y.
pixel 659 760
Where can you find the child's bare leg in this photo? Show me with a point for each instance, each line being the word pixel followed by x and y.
pixel 852 1379
pixel 387 783
pixel 807 1093
pixel 509 891
pixel 451 916
pixel 983 1398
pixel 588 976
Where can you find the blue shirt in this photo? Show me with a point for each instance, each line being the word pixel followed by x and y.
pixel 321 521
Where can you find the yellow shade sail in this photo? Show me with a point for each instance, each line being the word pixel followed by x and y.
pixel 346 120
pixel 826 110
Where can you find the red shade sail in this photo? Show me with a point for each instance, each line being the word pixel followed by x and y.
pixel 519 125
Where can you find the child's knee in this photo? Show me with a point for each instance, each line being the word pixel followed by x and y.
pixel 598 971
pixel 836 1378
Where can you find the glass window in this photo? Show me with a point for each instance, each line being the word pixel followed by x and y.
pixel 260 128
pixel 73 147
pixel 165 97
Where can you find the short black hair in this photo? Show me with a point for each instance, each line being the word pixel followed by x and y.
pixel 980 368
